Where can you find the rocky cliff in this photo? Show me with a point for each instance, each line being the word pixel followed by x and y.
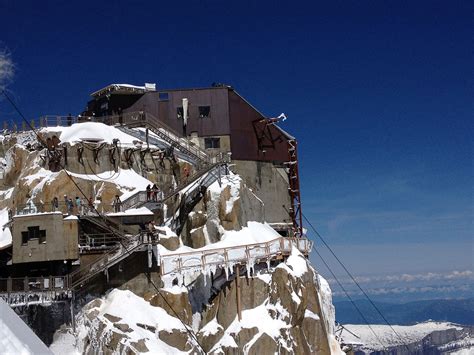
pixel 279 304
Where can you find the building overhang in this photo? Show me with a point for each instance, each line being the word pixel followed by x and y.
pixel 123 89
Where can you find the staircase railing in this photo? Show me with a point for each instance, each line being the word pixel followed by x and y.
pixel 140 198
pixel 86 272
pixel 168 134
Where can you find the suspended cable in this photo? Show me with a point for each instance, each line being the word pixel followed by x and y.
pixel 350 298
pixel 190 331
pixel 355 281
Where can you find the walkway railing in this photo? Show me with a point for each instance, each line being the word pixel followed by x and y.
pixel 38 290
pixel 249 254
pixel 34 290
pixel 63 207
pixel 140 198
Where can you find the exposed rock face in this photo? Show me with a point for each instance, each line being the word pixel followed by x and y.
pixel 291 302
pixel 227 209
pixel 281 313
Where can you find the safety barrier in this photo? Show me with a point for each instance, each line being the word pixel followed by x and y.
pixel 176 263
pixel 34 290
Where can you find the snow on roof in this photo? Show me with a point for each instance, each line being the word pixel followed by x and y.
pixel 94 131
pixel 15 336
pixel 5 234
pixel 124 88
pixel 142 211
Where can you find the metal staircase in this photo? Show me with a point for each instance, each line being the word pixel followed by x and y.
pixel 166 134
pixel 79 277
pixel 140 198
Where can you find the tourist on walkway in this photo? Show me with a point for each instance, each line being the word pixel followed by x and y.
pixel 154 192
pixel 117 203
pixel 78 204
pixel 148 192
pixel 70 206
pixel 54 204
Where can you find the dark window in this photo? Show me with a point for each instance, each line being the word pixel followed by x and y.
pixel 163 96
pixel 33 233
pixel 204 111
pixel 180 112
pixel 24 237
pixel 212 143
pixel 42 236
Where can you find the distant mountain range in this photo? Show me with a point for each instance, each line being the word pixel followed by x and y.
pixel 456 311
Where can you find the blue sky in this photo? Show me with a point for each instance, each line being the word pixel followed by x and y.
pixel 379 94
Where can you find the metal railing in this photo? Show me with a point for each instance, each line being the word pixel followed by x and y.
pixel 225 257
pixel 34 290
pixel 85 272
pixel 61 206
pixel 98 241
pixel 140 197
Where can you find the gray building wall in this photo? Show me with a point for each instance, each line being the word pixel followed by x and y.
pixel 61 238
pixel 270 183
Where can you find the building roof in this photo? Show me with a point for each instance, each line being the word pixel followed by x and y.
pixel 124 89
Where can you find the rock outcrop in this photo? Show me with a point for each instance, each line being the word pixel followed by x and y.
pixel 281 312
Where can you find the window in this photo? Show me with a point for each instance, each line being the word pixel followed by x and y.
pixel 33 233
pixel 180 112
pixel 163 96
pixel 204 111
pixel 212 143
pixel 24 237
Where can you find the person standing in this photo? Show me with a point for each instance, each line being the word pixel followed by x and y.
pixel 154 192
pixel 148 192
pixel 70 206
pixel 117 203
pixel 78 204
pixel 55 204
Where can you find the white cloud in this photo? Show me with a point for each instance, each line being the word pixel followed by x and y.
pixel 429 276
pixel 7 68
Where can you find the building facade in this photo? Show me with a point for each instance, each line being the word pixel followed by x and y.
pixel 218 119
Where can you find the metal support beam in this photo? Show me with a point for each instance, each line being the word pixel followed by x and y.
pixel 237 291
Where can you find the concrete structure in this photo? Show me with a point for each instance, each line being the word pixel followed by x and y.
pixel 44 237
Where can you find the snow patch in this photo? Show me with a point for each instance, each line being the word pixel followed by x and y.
pixel 5 233
pixel 90 130
pixel 16 337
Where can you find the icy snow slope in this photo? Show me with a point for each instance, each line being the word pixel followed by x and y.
pixel 16 338
pixel 5 234
pixel 444 337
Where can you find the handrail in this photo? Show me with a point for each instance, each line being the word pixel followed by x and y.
pixel 221 257
pixel 129 202
pixel 165 132
pixel 272 248
pixel 85 272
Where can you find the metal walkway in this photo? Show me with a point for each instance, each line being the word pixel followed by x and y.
pixel 29 291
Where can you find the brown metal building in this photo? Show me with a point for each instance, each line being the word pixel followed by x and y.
pixel 218 119
pixel 214 113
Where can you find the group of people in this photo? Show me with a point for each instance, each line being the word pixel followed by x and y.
pixel 72 206
pixel 153 193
